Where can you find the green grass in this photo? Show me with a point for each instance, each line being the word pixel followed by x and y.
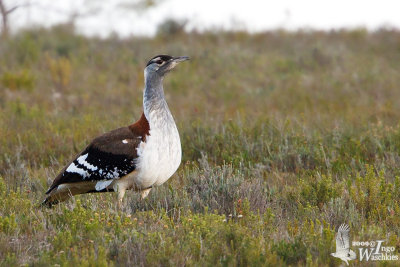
pixel 285 136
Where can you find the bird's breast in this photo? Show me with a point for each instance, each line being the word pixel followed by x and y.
pixel 159 156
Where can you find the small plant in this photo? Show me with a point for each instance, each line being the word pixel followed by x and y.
pixel 60 70
pixel 22 80
pixel 319 190
pixel 291 252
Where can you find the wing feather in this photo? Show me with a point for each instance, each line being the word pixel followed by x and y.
pixel 108 157
pixel 342 238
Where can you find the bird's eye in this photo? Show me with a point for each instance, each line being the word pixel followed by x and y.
pixel 159 62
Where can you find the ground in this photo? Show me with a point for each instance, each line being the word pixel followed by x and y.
pixel 285 136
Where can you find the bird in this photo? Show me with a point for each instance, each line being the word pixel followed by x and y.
pixel 136 157
pixel 343 250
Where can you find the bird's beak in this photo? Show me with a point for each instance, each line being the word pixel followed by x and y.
pixel 172 64
pixel 180 59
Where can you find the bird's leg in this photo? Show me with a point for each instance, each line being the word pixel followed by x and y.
pixel 121 192
pixel 144 193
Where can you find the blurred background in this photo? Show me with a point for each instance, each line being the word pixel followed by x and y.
pixel 70 70
pixel 142 17
pixel 288 113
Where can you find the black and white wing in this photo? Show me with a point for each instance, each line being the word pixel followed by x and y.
pixel 110 156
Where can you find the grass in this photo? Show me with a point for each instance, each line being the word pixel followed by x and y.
pixel 285 136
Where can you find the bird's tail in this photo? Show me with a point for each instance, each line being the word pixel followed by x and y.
pixel 48 202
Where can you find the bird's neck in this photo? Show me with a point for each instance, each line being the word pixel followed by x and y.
pixel 154 103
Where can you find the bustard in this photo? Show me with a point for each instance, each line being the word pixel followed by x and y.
pixel 139 156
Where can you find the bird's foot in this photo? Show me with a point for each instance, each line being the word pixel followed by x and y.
pixel 144 193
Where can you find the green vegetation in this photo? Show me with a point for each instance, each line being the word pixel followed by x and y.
pixel 285 136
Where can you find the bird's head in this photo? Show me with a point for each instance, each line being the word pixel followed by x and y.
pixel 162 64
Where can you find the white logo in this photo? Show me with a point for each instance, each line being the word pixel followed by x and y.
pixel 368 250
pixel 343 250
pixel 375 251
